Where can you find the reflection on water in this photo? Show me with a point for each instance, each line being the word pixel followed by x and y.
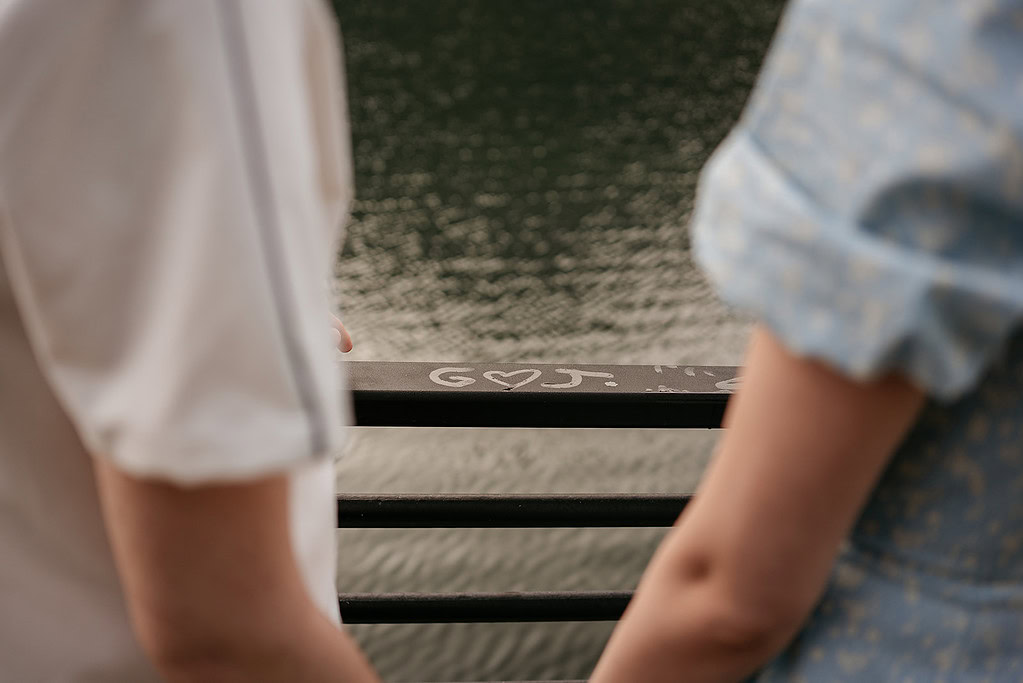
pixel 524 174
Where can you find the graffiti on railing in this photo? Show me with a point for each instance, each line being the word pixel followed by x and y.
pixel 571 378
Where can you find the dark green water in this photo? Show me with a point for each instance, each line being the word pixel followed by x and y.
pixel 525 172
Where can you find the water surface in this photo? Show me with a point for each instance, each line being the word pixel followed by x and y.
pixel 525 172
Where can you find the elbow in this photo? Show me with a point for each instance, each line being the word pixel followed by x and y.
pixel 736 615
pixel 180 658
pixel 755 631
pixel 190 652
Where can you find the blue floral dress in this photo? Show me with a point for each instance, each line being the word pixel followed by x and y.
pixel 869 210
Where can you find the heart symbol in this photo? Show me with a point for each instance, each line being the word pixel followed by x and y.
pixel 492 375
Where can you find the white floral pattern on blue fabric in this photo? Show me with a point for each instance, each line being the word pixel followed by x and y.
pixel 869 206
pixel 869 210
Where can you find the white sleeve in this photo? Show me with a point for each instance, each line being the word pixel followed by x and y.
pixel 170 179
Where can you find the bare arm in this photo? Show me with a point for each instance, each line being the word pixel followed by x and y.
pixel 740 572
pixel 212 585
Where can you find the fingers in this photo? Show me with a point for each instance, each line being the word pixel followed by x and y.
pixel 342 339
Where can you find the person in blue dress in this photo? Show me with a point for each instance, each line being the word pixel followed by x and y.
pixel 862 518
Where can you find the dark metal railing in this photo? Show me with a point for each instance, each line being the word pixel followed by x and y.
pixel 436 608
pixel 539 395
pixel 520 395
pixel 506 511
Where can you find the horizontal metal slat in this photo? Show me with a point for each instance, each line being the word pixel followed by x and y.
pixel 507 511
pixel 438 608
pixel 398 394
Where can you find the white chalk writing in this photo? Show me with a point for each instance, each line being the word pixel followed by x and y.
pixel 576 378
pixel 456 382
pixel 729 385
pixel 509 380
pixel 493 375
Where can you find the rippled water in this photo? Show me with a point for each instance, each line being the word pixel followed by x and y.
pixel 525 172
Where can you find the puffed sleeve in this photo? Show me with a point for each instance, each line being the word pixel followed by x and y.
pixel 868 208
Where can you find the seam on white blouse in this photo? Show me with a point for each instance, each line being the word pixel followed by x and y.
pixel 255 156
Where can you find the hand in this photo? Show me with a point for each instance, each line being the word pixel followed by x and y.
pixel 342 339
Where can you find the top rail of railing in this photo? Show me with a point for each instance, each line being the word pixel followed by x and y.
pixel 465 394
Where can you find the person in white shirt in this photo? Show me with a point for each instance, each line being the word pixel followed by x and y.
pixel 172 177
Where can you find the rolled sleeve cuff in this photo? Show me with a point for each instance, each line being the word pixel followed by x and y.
pixel 833 292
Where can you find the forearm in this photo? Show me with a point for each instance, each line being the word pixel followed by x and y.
pixel 306 647
pixel 326 653
pixel 684 625
pixel 342 659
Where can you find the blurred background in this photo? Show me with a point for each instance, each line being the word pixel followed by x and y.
pixel 524 175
